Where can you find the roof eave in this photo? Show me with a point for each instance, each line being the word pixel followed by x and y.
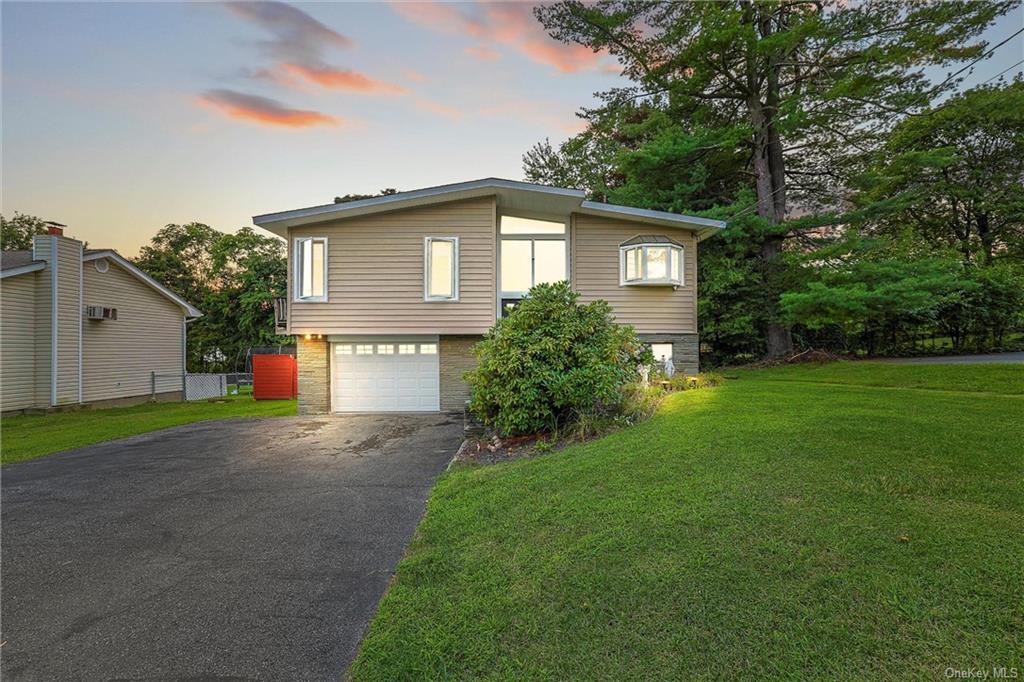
pixel 278 223
pixel 663 218
pixel 190 310
pixel 22 269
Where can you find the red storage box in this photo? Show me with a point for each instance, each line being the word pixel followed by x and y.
pixel 274 377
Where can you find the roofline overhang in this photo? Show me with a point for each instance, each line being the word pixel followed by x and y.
pixel 279 223
pixel 190 310
pixel 22 269
pixel 704 227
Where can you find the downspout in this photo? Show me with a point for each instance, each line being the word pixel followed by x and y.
pixel 184 352
pixel 81 322
pixel 53 321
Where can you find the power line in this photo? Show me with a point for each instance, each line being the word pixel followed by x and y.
pixel 1002 72
pixel 984 55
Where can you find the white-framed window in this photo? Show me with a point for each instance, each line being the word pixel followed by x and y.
pixel 428 349
pixel 309 259
pixel 364 349
pixel 385 349
pixel 533 251
pixel 441 269
pixel 515 225
pixel 407 349
pixel 343 349
pixel 654 263
pixel 661 351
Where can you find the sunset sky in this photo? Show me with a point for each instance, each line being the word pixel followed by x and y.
pixel 121 117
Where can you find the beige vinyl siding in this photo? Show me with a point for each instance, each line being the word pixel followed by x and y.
pixel 119 355
pixel 595 273
pixel 42 246
pixel 375 273
pixel 18 341
pixel 69 319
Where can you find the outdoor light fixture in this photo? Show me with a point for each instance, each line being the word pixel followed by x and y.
pixel 308 337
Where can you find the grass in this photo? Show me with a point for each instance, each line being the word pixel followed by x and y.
pixel 981 378
pixel 829 522
pixel 24 437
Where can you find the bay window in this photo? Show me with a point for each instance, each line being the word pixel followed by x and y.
pixel 651 260
pixel 532 252
pixel 310 265
pixel 441 269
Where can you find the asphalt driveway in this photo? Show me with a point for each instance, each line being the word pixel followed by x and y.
pixel 240 549
pixel 1014 358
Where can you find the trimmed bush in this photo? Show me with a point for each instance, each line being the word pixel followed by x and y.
pixel 551 362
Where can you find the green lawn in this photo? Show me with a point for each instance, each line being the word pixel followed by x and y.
pixel 29 436
pixel 793 523
pixel 1003 379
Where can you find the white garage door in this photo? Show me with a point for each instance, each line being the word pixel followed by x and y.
pixel 385 375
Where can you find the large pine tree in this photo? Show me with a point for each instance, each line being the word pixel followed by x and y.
pixel 807 83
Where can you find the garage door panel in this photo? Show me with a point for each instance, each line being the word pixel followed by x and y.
pixel 382 381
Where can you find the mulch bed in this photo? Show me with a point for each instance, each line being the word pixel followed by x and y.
pixel 492 449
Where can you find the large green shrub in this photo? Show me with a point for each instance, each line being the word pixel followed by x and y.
pixel 552 361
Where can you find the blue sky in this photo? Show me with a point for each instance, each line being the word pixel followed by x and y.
pixel 121 117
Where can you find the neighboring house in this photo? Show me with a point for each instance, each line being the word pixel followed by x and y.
pixel 388 295
pixel 85 326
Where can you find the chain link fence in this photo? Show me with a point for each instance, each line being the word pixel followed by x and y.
pixel 205 386
pixel 191 386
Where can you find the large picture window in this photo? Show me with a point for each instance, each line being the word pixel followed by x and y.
pixel 651 260
pixel 441 269
pixel 532 252
pixel 310 264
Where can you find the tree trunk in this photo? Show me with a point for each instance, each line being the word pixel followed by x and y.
pixel 771 207
pixel 987 239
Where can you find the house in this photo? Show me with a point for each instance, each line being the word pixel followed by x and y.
pixel 84 326
pixel 389 294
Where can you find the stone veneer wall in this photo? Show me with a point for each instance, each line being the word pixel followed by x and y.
pixel 313 356
pixel 685 350
pixel 455 359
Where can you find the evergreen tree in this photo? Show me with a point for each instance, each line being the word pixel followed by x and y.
pixel 806 82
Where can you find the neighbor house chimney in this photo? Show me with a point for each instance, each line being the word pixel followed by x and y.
pixel 54 228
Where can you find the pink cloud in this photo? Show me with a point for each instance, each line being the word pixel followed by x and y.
pixel 565 58
pixel 484 52
pixel 511 24
pixel 440 109
pixel 263 110
pixel 439 16
pixel 343 79
pixel 413 76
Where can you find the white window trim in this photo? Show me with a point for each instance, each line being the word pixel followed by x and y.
pixel 643 280
pixel 427 241
pixel 671 347
pixel 297 296
pixel 532 238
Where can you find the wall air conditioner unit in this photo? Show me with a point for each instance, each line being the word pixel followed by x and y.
pixel 98 312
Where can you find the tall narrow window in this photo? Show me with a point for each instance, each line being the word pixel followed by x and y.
pixel 532 252
pixel 441 269
pixel 310 263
